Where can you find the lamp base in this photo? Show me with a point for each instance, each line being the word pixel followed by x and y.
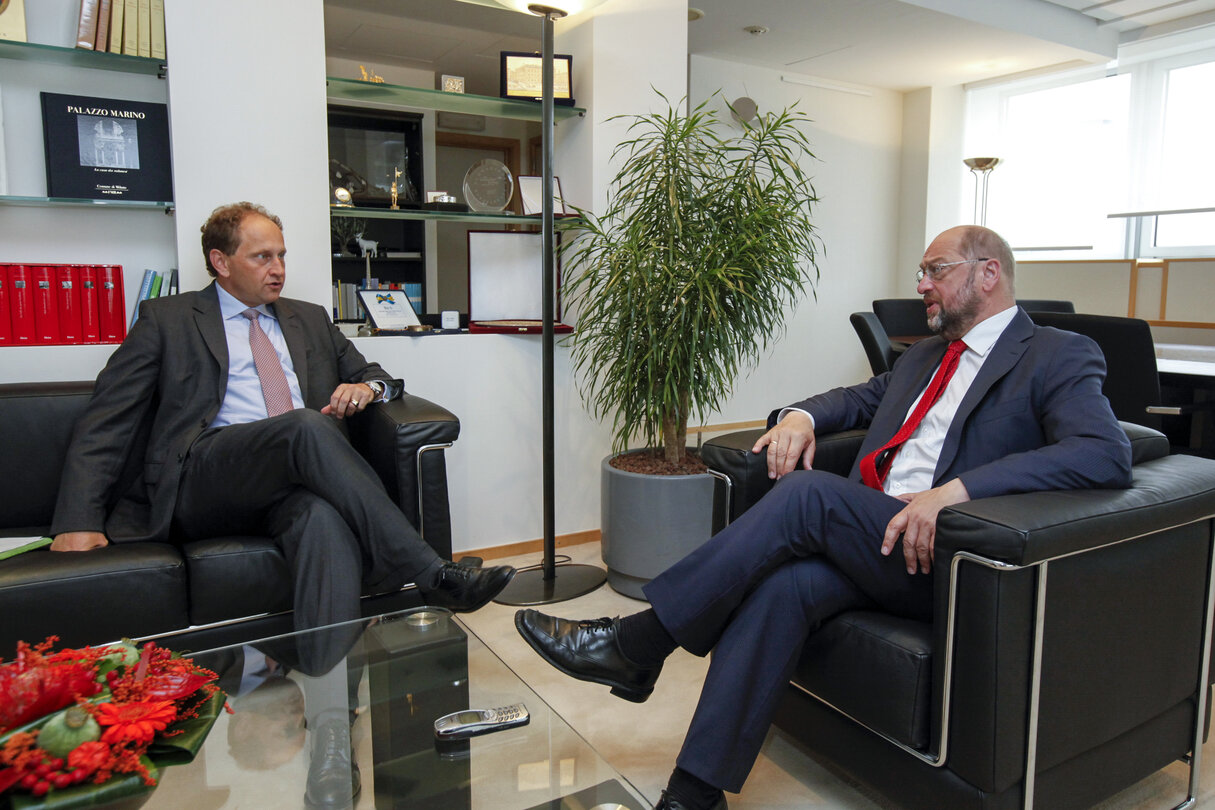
pixel 569 581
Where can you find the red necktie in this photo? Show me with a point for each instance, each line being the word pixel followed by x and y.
pixel 874 473
pixel 269 368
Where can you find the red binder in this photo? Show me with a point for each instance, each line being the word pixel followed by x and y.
pixel 6 324
pixel 21 305
pixel 46 313
pixel 111 303
pixel 84 278
pixel 67 299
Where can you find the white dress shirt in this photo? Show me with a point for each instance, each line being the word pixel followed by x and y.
pixel 915 463
pixel 243 401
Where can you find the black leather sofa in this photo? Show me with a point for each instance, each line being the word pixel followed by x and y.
pixel 1066 654
pixel 218 591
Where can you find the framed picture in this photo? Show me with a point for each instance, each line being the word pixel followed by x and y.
pixel 106 149
pixel 532 195
pixel 520 77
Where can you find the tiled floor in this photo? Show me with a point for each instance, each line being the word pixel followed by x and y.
pixel 641 740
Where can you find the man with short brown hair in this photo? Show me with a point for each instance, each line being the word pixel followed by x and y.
pixel 239 396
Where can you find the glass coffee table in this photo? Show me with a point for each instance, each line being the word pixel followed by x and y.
pixel 395 674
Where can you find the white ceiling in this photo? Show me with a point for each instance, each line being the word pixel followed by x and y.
pixel 895 44
pixel 1133 15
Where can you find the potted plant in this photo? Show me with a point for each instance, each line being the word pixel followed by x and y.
pixel 683 280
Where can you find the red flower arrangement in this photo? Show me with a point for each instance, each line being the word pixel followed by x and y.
pixel 88 715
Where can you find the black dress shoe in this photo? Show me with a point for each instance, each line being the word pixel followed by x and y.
pixel 333 778
pixel 587 651
pixel 462 589
pixel 669 802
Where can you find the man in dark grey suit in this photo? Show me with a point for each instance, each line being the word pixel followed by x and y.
pixel 178 439
pixel 222 413
pixel 994 405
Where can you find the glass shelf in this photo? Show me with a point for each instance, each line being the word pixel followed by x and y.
pixel 60 202
pixel 439 216
pixel 80 58
pixel 357 90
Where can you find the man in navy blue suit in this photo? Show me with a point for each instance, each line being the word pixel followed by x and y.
pixel 993 405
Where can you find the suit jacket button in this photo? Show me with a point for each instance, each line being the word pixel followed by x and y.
pixel 180 457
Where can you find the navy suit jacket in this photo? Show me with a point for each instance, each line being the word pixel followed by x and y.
pixel 1033 419
pixel 160 389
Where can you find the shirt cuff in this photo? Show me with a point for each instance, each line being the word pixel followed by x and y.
pixel 786 411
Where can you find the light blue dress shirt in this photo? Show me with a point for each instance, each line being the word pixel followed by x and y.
pixel 243 401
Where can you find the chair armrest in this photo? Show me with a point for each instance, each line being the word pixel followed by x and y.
pixel 1032 527
pixel 1183 409
pixel 390 436
pixel 730 454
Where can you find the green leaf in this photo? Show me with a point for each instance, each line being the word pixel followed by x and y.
pixel 182 748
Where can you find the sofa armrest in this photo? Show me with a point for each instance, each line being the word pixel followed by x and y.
pixel 1029 528
pixel 730 454
pixel 394 437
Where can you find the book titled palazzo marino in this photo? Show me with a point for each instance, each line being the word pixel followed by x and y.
pixel 106 149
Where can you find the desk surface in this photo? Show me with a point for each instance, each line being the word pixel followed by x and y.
pixel 1193 368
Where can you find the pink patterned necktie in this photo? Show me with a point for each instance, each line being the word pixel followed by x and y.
pixel 269 368
pixel 876 466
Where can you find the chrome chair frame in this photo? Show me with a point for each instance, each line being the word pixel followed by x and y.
pixel 1043 566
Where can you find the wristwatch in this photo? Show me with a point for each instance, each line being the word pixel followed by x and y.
pixel 377 389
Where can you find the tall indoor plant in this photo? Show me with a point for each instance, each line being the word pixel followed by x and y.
pixel 687 275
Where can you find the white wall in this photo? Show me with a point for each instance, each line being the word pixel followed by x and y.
pixel 247 119
pixel 857 140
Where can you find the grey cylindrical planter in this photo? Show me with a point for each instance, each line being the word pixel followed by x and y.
pixel 650 522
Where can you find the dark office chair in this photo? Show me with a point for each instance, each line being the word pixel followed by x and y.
pixel 873 337
pixel 1132 383
pixel 1045 305
pixel 902 317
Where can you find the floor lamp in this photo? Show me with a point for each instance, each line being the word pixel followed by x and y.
pixel 983 166
pixel 549 582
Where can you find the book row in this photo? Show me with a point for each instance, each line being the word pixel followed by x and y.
pixel 155 284
pixel 133 27
pixel 48 304
pixel 346 304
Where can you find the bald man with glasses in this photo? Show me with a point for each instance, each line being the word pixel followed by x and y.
pixel 990 405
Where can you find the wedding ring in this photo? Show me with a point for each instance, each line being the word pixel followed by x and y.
pixel 356 402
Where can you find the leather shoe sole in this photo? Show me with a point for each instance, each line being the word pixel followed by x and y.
pixel 587 651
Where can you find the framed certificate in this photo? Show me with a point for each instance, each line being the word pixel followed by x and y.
pixel 389 309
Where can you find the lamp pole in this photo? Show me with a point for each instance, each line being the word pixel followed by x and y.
pixel 541 586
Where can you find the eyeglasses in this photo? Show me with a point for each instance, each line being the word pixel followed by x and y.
pixel 934 271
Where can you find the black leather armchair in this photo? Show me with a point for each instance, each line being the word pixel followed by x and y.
pixel 1068 634
pixel 216 591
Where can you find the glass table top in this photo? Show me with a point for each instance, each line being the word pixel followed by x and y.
pixel 395 674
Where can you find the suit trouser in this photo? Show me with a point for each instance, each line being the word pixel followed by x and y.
pixel 810 549
pixel 297 479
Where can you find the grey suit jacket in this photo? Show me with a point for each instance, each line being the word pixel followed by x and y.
pixel 160 390
pixel 1033 419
